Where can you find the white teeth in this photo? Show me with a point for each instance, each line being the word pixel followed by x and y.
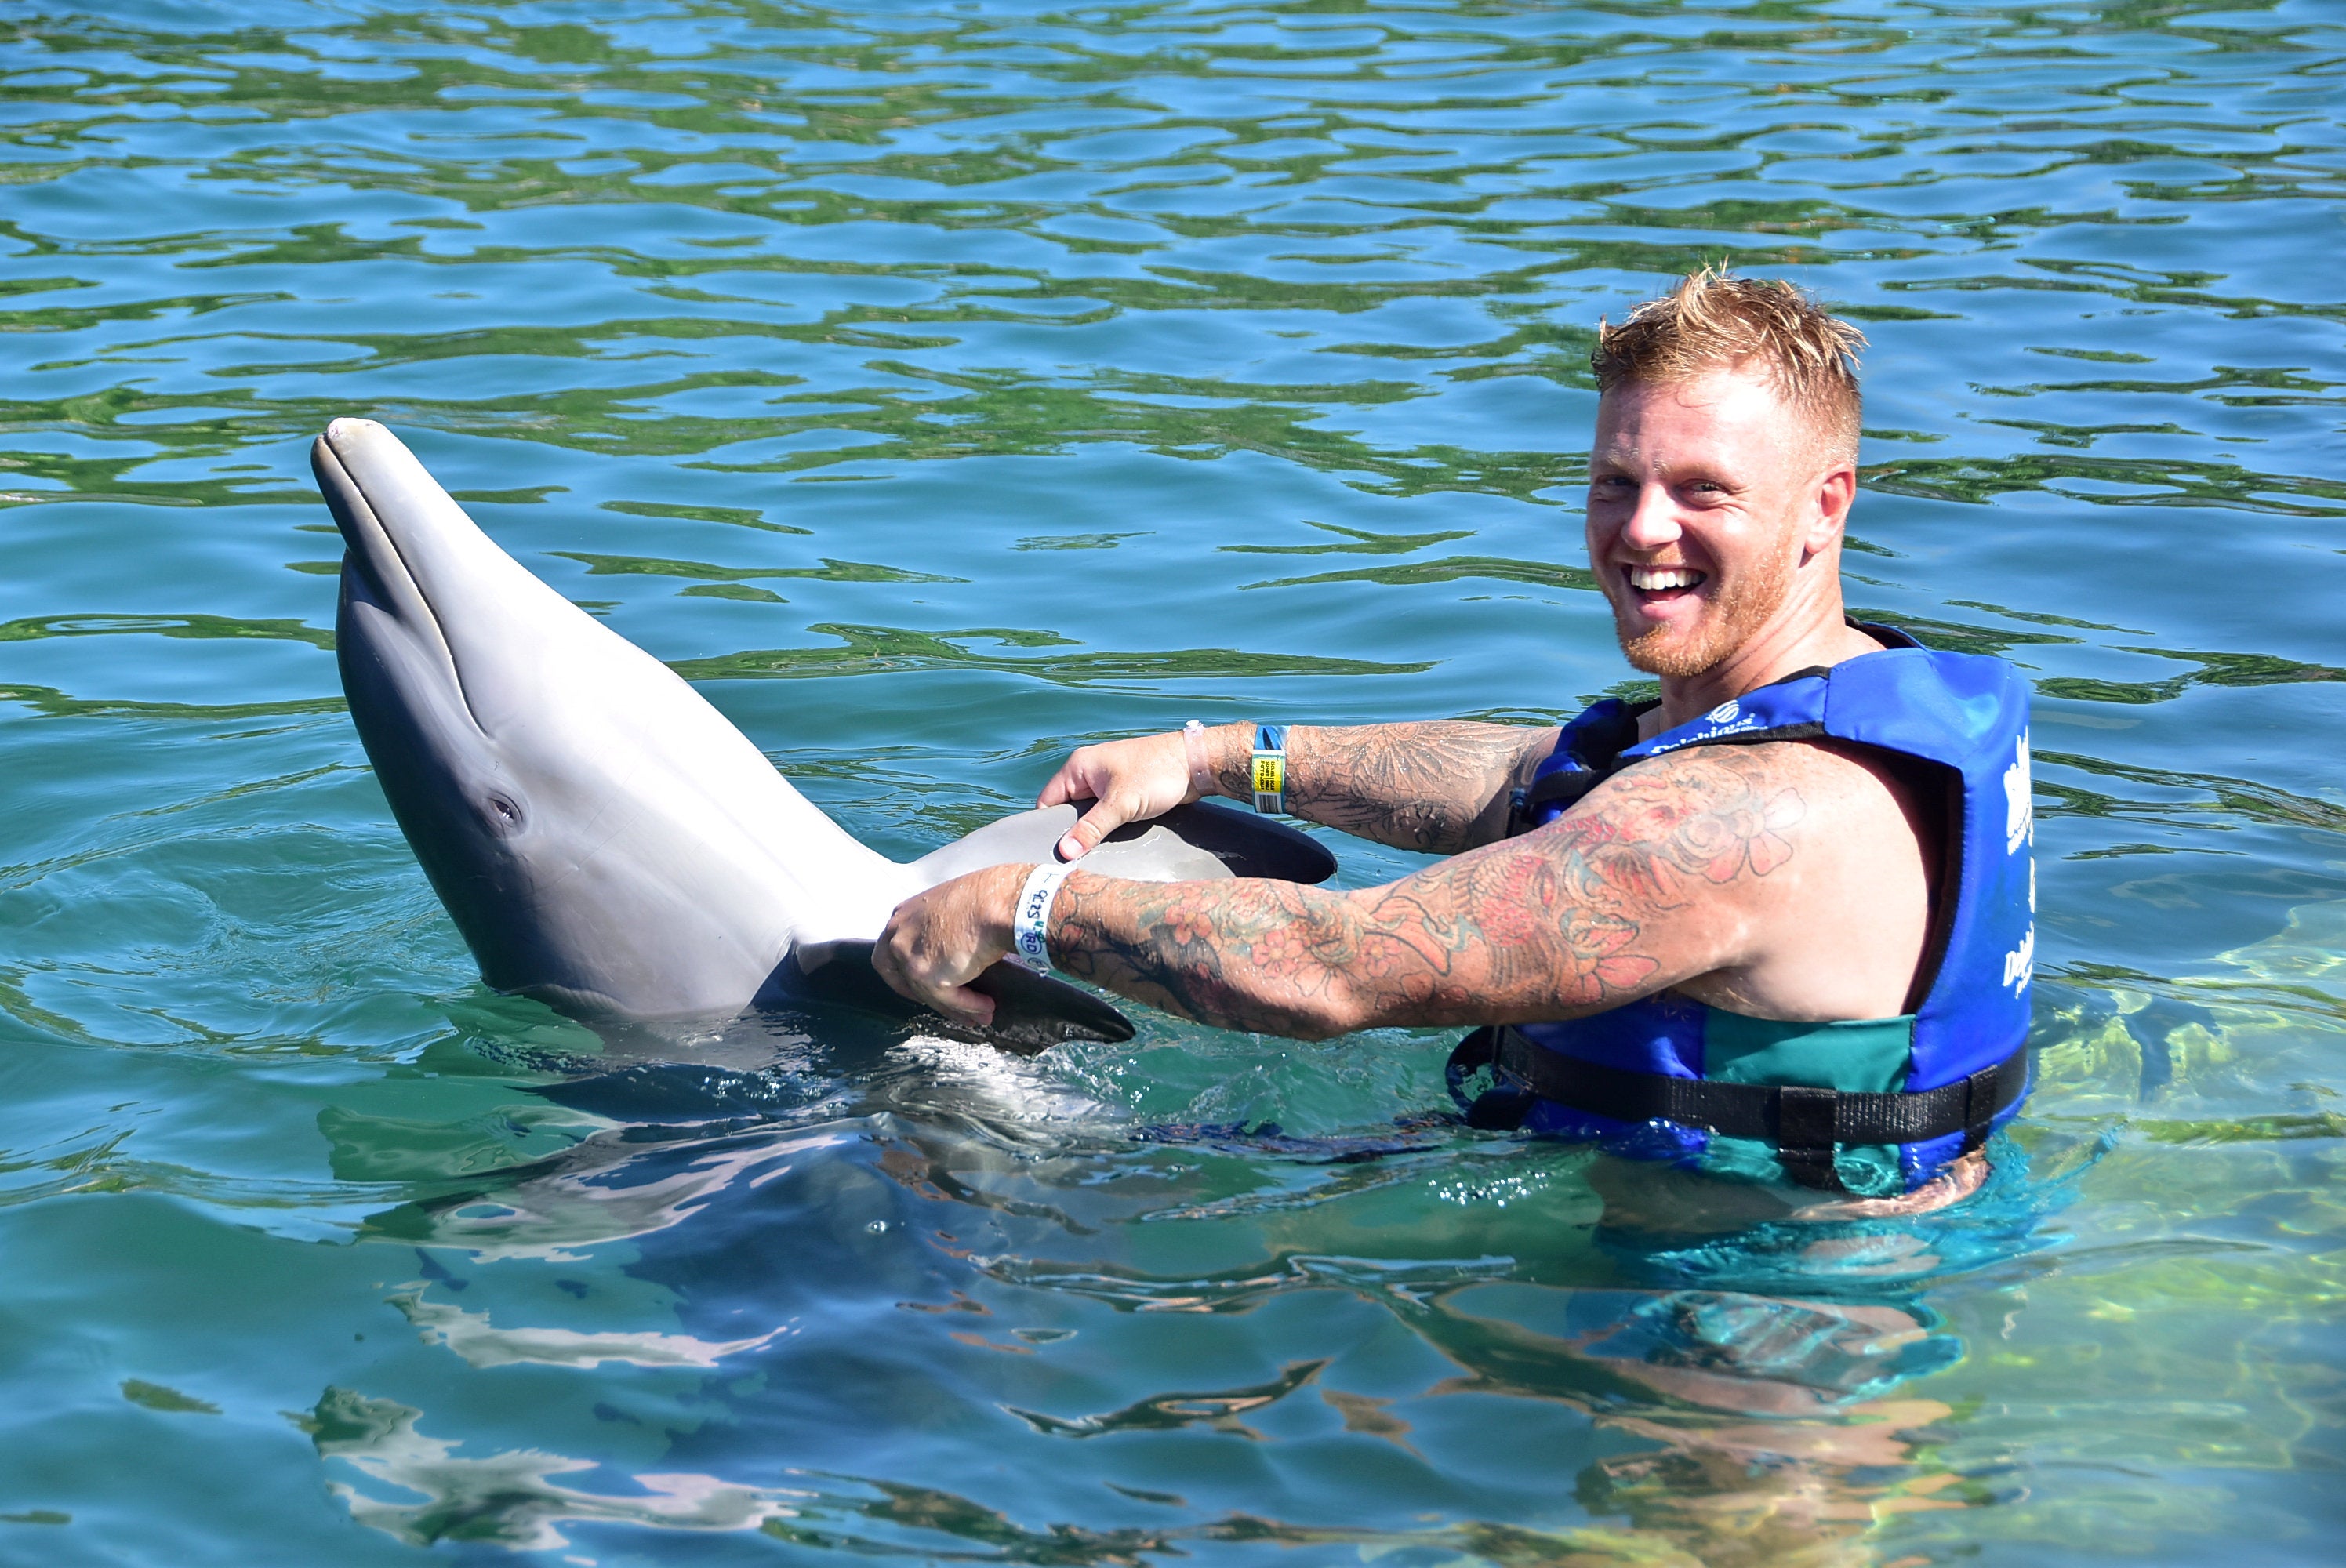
pixel 1651 578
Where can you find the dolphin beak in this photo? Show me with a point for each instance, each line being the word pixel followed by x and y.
pixel 374 572
pixel 415 557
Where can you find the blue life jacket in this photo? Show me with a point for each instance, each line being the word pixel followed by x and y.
pixel 1868 1106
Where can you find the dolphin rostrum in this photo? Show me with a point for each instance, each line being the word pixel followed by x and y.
pixel 607 842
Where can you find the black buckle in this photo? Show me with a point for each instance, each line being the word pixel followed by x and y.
pixel 1980 1105
pixel 1501 1108
pixel 1506 1104
pixel 1805 1135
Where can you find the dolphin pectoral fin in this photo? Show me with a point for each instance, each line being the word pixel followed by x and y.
pixel 1189 843
pixel 1250 846
pixel 1031 836
pixel 836 974
pixel 1032 1012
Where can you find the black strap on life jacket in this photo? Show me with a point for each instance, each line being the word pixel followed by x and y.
pixel 1803 1124
pixel 1598 751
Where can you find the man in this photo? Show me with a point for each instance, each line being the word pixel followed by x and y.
pixel 1776 927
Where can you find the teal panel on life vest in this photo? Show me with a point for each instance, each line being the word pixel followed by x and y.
pixel 1855 1056
pixel 1858 1055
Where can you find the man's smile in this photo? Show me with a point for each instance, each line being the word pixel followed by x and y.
pixel 1659 586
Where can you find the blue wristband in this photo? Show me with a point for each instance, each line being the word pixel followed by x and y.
pixel 1269 771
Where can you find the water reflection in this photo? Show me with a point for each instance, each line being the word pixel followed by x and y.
pixel 612 1184
pixel 1743 1394
pixel 510 1499
pixel 482 1344
pixel 506 1499
pixel 1773 1436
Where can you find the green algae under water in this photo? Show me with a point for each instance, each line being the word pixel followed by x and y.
pixel 944 385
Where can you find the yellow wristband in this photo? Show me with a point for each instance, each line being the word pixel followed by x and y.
pixel 1268 769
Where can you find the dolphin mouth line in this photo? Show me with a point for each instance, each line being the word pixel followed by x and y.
pixel 371 547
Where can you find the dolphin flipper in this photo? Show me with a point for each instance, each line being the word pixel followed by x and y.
pixel 1189 843
pixel 1032 1012
pixel 1250 846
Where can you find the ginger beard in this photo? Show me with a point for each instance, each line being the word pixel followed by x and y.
pixel 1741 604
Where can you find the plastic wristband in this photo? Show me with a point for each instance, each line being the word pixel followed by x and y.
pixel 1202 782
pixel 1031 921
pixel 1269 769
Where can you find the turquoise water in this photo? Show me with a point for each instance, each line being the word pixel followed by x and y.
pixel 944 385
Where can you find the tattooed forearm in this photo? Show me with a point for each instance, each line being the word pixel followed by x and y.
pixel 1242 954
pixel 1611 903
pixel 1437 786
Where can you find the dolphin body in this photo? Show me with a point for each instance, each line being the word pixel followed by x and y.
pixel 607 841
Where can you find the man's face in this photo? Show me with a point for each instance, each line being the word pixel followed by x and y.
pixel 1705 498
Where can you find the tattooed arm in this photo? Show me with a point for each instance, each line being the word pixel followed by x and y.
pixel 1718 866
pixel 1438 787
pixel 1628 894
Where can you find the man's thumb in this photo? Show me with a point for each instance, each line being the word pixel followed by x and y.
pixel 1105 818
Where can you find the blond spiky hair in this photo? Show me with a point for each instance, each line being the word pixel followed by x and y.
pixel 1714 321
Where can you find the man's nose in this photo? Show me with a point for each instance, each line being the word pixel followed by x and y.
pixel 1655 521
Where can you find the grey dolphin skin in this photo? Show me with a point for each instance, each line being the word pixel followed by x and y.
pixel 607 842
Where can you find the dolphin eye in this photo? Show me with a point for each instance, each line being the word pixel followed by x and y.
pixel 504 817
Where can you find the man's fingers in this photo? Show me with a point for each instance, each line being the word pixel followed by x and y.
pixel 1067 785
pixel 1088 774
pixel 1148 774
pixel 919 967
pixel 961 1002
pixel 890 967
pixel 1094 827
pixel 968 1005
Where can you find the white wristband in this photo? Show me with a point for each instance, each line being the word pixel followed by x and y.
pixel 1193 747
pixel 1030 922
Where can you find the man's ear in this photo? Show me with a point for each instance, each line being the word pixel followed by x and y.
pixel 1835 492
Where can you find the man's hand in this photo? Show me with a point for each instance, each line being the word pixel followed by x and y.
pixel 1126 781
pixel 1439 787
pixel 939 940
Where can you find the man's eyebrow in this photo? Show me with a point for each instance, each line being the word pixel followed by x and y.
pixel 1686 471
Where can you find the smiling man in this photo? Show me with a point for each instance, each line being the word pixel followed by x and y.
pixel 1776 928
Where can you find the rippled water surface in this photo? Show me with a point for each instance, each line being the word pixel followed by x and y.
pixel 943 385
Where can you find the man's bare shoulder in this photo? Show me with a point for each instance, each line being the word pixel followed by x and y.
pixel 1752 804
pixel 1831 779
pixel 1814 858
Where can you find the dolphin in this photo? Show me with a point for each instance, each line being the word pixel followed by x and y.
pixel 609 843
